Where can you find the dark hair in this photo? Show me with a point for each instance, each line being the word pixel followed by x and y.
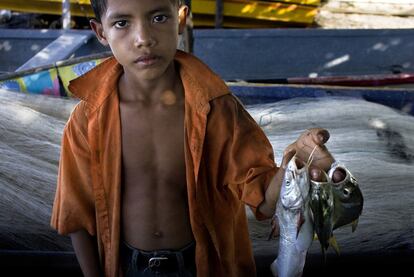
pixel 99 7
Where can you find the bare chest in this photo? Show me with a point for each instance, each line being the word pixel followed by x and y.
pixel 154 198
pixel 153 143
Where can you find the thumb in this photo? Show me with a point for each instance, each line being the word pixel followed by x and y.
pixel 287 156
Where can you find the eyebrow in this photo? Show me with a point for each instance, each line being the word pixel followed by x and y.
pixel 118 15
pixel 160 9
pixel 115 16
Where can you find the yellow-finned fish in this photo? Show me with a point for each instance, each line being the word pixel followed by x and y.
pixel 322 206
pixel 334 205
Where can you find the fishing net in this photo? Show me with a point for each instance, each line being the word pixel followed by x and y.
pixel 375 142
pixel 30 132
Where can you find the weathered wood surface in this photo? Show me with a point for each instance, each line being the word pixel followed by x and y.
pixel 383 7
pixel 366 14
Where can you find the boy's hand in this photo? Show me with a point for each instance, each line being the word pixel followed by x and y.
pixel 303 147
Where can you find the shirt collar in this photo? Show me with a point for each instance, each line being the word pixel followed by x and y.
pixel 200 83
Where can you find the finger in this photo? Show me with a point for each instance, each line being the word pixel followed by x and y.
pixel 319 135
pixel 287 156
pixel 338 175
pixel 312 139
pixel 316 174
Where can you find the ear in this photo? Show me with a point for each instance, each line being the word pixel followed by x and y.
pixel 99 31
pixel 182 18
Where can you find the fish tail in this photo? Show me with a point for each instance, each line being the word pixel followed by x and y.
pixel 354 225
pixel 334 244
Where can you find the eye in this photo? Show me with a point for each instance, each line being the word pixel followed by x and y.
pixel 121 24
pixel 160 18
pixel 346 192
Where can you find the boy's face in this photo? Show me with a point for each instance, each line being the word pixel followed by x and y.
pixel 142 34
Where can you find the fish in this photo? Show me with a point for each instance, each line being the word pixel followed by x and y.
pixel 334 204
pixel 322 207
pixel 295 221
pixel 348 198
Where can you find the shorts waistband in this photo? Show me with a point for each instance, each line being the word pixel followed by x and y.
pixel 189 247
pixel 163 260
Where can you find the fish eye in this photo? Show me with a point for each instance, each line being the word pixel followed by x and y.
pixel 346 192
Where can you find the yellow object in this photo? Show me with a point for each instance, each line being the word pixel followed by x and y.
pixel 300 2
pixel 236 13
pixel 273 12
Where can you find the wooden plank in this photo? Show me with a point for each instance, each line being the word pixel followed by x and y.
pixel 335 20
pixel 359 80
pixel 380 7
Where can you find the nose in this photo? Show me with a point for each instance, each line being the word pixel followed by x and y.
pixel 144 37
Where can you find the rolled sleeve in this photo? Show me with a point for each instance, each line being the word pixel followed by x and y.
pixel 251 164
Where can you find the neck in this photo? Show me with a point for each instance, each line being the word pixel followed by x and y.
pixel 131 89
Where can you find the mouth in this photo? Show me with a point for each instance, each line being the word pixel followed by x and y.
pixel 147 59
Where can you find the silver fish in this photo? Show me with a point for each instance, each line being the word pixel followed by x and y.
pixel 295 222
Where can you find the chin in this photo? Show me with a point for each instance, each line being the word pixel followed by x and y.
pixel 152 74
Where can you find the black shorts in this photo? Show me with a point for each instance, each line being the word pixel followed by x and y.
pixel 166 263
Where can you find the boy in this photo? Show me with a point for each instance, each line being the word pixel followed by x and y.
pixel 159 158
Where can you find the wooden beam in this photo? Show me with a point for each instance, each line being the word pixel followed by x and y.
pixel 379 7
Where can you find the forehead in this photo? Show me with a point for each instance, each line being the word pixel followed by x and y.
pixel 138 6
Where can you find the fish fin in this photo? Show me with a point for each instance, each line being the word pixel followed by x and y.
pixel 354 224
pixel 334 244
pixel 272 231
pixel 315 236
pixel 275 231
pixel 274 268
pixel 299 223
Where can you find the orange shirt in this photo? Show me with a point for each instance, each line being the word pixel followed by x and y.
pixel 229 162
